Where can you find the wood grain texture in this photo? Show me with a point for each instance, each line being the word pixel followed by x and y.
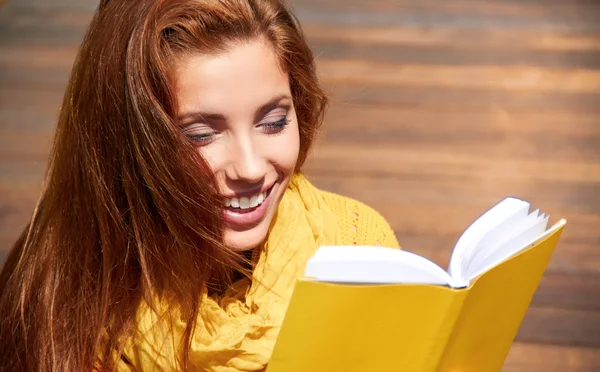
pixel 438 110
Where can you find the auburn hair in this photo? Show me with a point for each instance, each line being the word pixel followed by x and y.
pixel 129 209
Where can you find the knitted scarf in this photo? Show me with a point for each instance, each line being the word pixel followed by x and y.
pixel 237 332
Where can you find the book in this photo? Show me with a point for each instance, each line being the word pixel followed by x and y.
pixel 363 308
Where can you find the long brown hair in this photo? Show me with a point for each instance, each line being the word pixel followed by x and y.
pixel 129 209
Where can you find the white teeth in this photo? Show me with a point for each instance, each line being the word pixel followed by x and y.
pixel 253 201
pixel 245 202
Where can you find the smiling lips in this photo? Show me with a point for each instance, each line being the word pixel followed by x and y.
pixel 246 211
pixel 246 202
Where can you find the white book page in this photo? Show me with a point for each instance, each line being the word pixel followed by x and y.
pixel 373 265
pixel 503 231
pixel 500 238
pixel 512 246
pixel 502 213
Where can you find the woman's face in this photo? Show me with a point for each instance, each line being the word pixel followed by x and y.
pixel 237 107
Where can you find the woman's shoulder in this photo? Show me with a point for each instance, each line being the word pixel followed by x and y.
pixel 359 223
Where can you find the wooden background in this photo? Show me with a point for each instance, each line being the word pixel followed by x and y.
pixel 440 109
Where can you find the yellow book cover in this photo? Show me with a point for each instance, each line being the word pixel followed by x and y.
pixel 379 309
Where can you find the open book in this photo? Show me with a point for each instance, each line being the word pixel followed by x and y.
pixel 380 309
pixel 500 233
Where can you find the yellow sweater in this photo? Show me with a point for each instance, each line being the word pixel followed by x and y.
pixel 358 223
pixel 237 332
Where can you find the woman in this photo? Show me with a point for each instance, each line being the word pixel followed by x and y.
pixel 174 220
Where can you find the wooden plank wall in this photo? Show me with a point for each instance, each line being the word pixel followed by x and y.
pixel 439 109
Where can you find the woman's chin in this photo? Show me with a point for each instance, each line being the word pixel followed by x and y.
pixel 241 241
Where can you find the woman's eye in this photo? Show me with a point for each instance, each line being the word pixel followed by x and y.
pixel 202 139
pixel 275 127
pixel 199 134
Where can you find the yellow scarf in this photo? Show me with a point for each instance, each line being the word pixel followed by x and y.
pixel 238 331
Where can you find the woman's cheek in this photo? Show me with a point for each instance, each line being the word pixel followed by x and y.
pixel 284 149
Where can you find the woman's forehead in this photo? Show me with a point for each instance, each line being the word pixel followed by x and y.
pixel 234 82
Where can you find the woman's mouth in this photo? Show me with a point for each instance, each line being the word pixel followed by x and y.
pixel 247 211
pixel 245 203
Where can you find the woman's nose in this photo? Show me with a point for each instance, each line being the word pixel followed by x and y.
pixel 247 162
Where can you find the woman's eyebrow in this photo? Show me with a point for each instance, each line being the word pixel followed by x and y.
pixel 206 117
pixel 270 105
